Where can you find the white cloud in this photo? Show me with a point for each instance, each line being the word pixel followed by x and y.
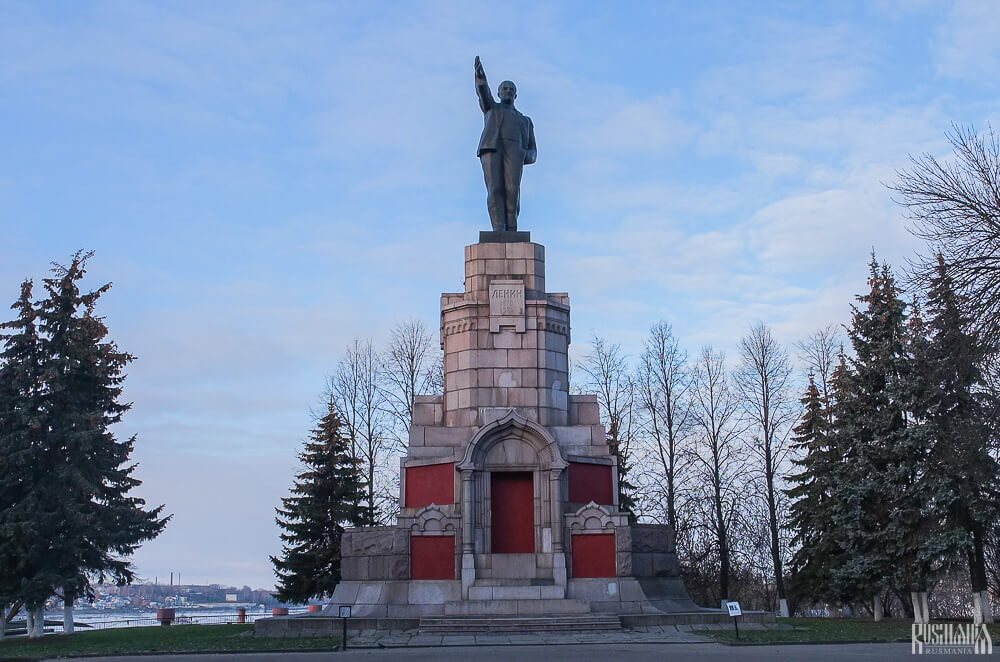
pixel 648 125
pixel 814 232
pixel 792 61
pixel 966 45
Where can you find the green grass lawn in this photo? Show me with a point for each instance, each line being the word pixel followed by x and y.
pixel 158 639
pixel 822 630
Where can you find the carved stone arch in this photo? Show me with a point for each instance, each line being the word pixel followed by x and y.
pixel 511 444
pixel 591 517
pixel 432 519
pixel 511 452
pixel 519 434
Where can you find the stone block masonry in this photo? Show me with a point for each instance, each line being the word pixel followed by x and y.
pixel 508 491
pixel 505 339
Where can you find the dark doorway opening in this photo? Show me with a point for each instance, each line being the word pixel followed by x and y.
pixel 512 512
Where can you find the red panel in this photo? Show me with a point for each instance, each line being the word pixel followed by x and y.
pixel 513 512
pixel 594 555
pixel 590 482
pixel 432 557
pixel 431 483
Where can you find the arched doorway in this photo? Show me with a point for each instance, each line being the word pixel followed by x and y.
pixel 511 503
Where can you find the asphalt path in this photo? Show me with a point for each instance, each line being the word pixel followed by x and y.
pixel 573 653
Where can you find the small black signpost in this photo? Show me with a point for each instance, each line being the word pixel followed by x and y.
pixel 734 611
pixel 345 613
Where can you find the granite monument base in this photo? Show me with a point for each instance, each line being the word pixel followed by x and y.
pixel 503 237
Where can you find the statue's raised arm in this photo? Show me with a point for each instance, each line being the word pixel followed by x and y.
pixel 486 100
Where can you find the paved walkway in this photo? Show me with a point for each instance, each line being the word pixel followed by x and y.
pixel 617 653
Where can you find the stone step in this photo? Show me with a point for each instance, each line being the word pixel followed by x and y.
pixel 511 581
pixel 566 623
pixel 514 566
pixel 522 592
pixel 518 607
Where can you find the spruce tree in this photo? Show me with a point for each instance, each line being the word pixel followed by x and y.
pixel 961 480
pixel 21 443
pixel 71 514
pixel 900 484
pixel 809 519
pixel 84 374
pixel 626 490
pixel 324 499
pixel 926 546
pixel 869 431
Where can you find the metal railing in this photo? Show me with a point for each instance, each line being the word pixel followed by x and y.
pixel 180 619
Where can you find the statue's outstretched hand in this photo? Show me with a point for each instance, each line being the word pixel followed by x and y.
pixel 480 73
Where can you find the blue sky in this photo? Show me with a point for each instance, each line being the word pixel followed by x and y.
pixel 265 181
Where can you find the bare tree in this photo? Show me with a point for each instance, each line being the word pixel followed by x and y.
pixel 750 551
pixel 762 380
pixel 955 208
pixel 359 395
pixel 718 452
pixel 411 364
pixel 662 386
pixel 819 353
pixel 607 373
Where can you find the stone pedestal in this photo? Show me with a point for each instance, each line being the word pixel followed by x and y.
pixel 552 540
pixel 505 339
pixel 503 237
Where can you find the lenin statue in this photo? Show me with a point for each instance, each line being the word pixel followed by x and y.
pixel 506 146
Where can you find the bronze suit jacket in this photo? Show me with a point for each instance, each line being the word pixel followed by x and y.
pixel 504 123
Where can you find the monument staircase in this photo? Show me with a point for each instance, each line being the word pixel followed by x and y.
pixel 507 596
pixel 525 606
pixel 505 624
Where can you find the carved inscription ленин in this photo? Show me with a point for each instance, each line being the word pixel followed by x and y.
pixel 507 298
